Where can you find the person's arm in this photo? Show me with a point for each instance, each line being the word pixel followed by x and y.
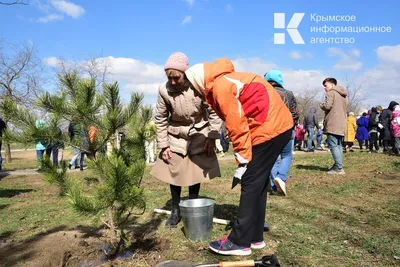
pixel 232 113
pixel 161 121
pixel 293 108
pixel 328 104
pixel 215 124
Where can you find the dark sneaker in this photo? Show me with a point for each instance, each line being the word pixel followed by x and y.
pixel 226 247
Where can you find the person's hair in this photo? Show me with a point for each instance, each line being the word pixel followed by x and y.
pixel 364 114
pixel 331 80
pixel 379 108
pixel 173 73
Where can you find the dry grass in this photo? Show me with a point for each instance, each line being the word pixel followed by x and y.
pixel 350 220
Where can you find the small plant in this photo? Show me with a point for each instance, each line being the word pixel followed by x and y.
pixel 116 195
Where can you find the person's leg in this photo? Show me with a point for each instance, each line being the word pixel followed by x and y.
pixel 39 156
pixel 319 140
pixel 55 157
pixel 175 216
pixel 396 145
pixel 74 160
pixel 194 191
pixel 146 146
pixel 82 161
pixel 274 174
pixel 372 137
pixel 249 226
pixel 310 131
pixel 335 146
pixel 151 151
pixel 1 159
pixel 283 169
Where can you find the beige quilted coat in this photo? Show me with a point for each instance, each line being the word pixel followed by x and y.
pixel 184 122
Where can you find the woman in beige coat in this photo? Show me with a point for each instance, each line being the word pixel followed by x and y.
pixel 186 131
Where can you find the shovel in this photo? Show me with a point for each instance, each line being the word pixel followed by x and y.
pixel 266 261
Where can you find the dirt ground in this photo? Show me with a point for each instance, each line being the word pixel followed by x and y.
pixel 83 247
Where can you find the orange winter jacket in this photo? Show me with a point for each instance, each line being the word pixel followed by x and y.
pixel 92 133
pixel 252 109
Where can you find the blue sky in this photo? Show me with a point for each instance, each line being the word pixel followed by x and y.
pixel 138 36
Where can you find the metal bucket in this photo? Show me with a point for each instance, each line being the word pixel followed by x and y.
pixel 197 216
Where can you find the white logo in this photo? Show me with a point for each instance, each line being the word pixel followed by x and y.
pixel 279 23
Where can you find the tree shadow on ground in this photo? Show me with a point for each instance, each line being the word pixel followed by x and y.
pixel 3 206
pixel 8 193
pixel 311 167
pixel 4 174
pixel 13 253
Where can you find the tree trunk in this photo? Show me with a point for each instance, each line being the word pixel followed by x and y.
pixel 8 153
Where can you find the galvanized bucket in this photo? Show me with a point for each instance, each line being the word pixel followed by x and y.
pixel 197 216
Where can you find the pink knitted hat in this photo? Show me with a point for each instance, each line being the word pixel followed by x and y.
pixel 177 61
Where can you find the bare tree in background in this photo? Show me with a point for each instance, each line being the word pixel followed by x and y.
pixel 356 97
pixel 91 67
pixel 20 77
pixel 20 2
pixel 308 98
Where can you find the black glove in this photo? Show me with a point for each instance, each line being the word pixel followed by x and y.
pixel 237 177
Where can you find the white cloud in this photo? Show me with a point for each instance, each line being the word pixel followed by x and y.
pixel 298 55
pixel 186 20
pixel 254 65
pixel 380 86
pixel 389 54
pixel 50 17
pixel 347 61
pixel 69 8
pixel 228 8
pixel 52 61
pixel 190 2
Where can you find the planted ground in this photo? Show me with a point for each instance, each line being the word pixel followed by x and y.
pixel 350 220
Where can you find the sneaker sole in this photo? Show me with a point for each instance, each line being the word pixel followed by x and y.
pixel 336 173
pixel 263 245
pixel 279 188
pixel 232 252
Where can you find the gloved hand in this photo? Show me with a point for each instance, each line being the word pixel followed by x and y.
pixel 237 177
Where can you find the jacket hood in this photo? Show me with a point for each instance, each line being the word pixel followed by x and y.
pixel 202 76
pixel 214 70
pixel 195 75
pixel 392 104
pixel 274 76
pixel 340 90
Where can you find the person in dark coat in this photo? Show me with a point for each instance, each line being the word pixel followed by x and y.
pixel 373 128
pixel 3 126
pixel 310 122
pixel 362 131
pixel 385 119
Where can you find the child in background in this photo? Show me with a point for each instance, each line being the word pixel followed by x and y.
pixel 299 138
pixel 395 128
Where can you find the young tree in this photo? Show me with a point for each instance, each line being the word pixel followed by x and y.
pixel 117 193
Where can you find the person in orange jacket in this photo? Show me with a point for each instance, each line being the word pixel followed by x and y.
pixel 259 125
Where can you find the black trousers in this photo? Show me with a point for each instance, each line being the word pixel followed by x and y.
pixel 373 141
pixel 176 193
pixel 249 226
